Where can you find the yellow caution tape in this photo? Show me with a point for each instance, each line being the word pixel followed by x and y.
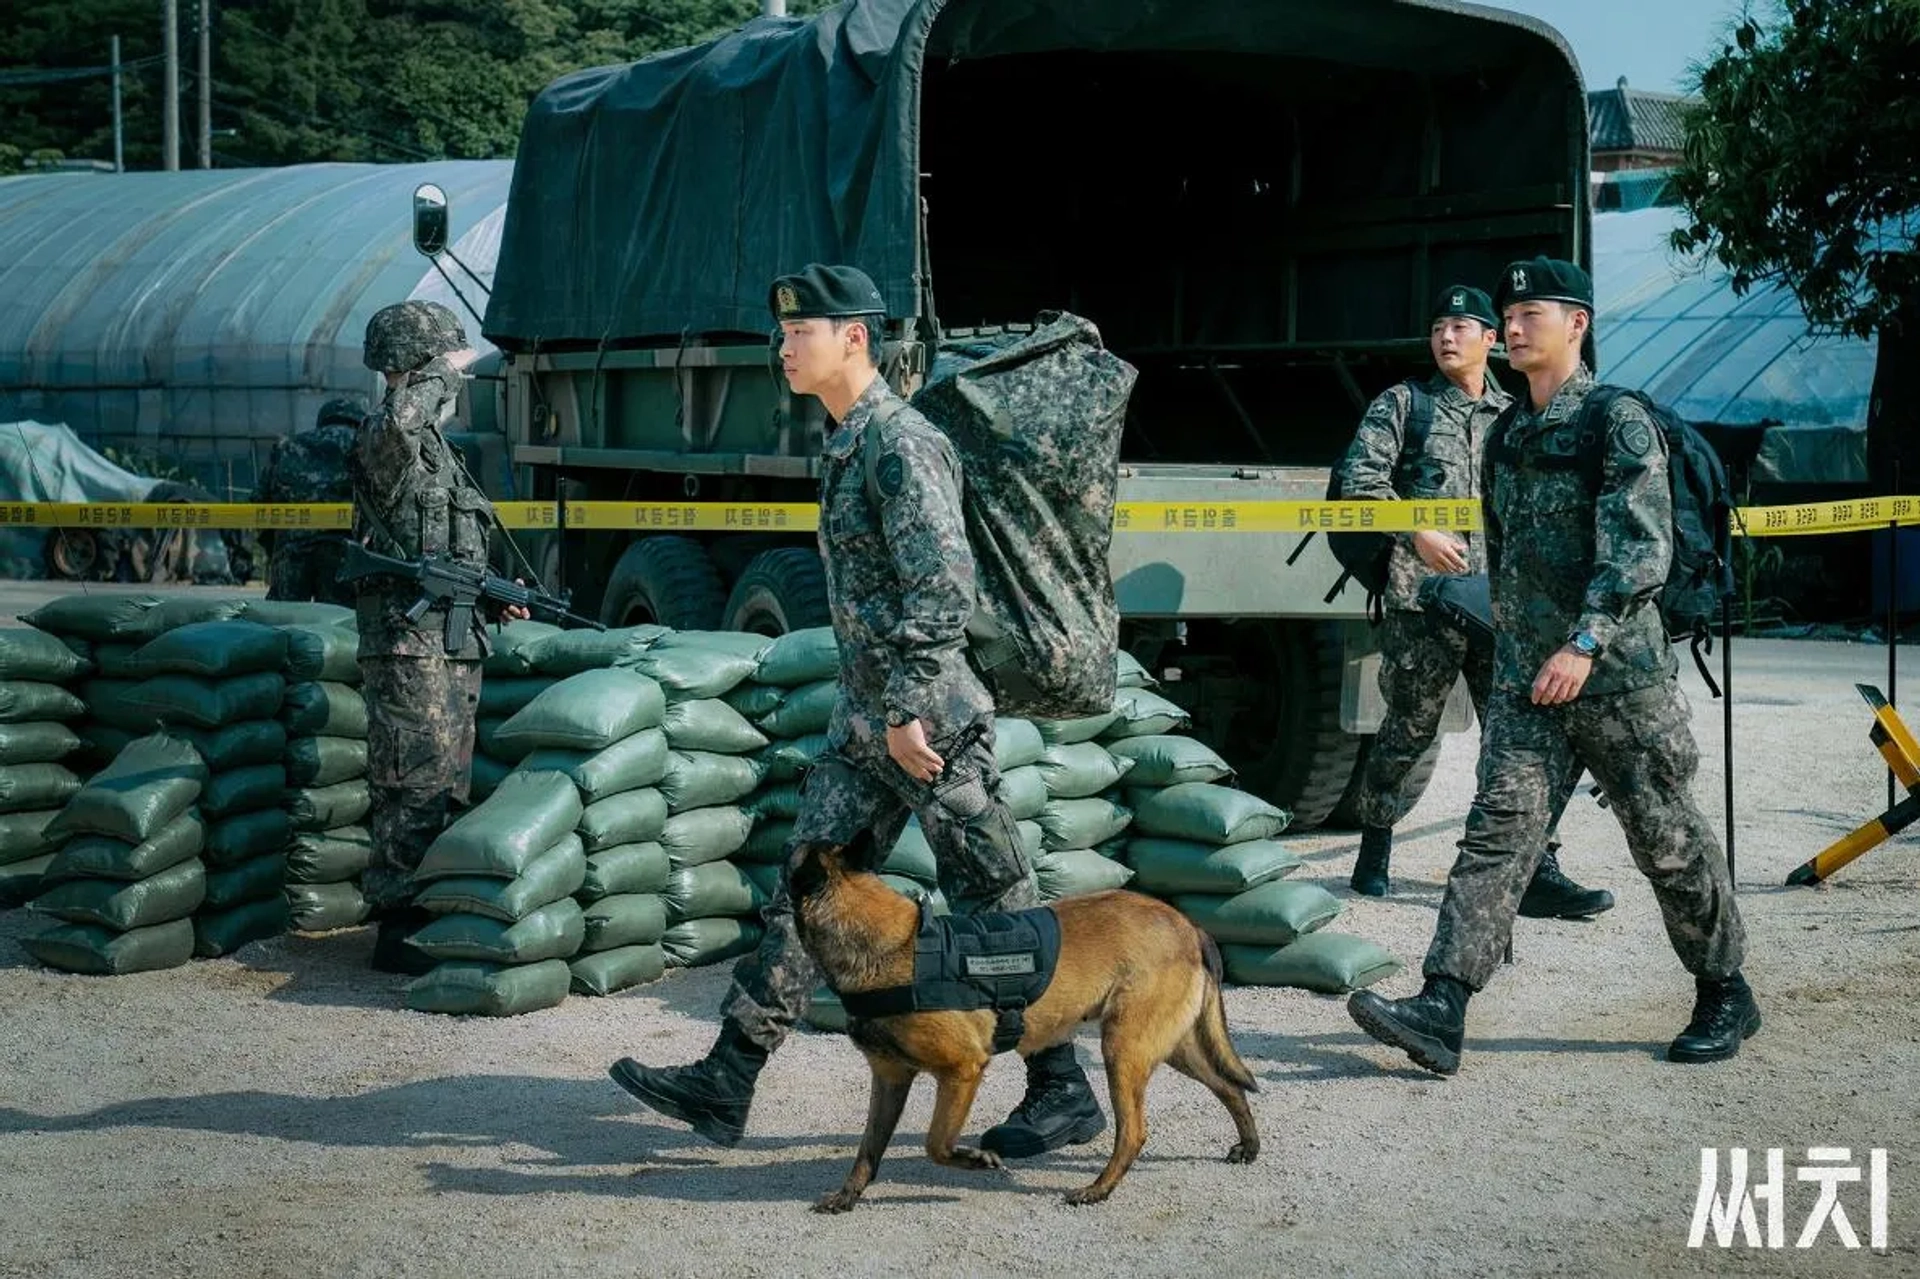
pixel 697 517
pixel 229 515
pixel 1825 517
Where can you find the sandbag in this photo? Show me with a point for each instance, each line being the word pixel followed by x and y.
pixel 912 889
pixel 321 908
pixel 768 843
pixel 755 701
pixel 1167 866
pixel 1273 914
pixel 101 742
pixel 800 657
pixel 765 877
pixel 500 698
pixel 785 761
pixel 1016 742
pixel 1129 673
pixel 325 807
pixel 1169 761
pixel 87 948
pixel 705 834
pixel 585 712
pixel 484 727
pixel 1080 770
pixel 1205 813
pixel 194 702
pixel 245 836
pixel 712 888
pixel 1066 732
pixel 123 905
pixel 486 777
pixel 490 990
pixel 250 881
pixel 151 782
pixel 628 764
pixel 251 741
pixel 37 657
pixel 1075 873
pixel 554 931
pixel 20 881
pixel 24 835
pixel 212 650
pixel 631 817
pixel 329 857
pixel 510 643
pixel 911 855
pixel 1024 792
pixel 322 761
pixel 702 779
pixel 504 835
pixel 106 703
pixel 554 874
pixel 104 857
pixel 36 787
pixel 774 803
pixel 1140 712
pixel 628 919
pixel 1331 963
pixel 749 644
pixel 685 674
pixel 805 710
pixel 622 968
pixel 243 790
pixel 1033 839
pixel 625 868
pixel 571 652
pixel 115 661
pixel 184 610
pixel 298 613
pixel 222 932
pixel 37 743
pixel 1081 823
pixel 324 708
pixel 322 652
pixel 709 724
pixel 24 701
pixel 92 617
pixel 696 942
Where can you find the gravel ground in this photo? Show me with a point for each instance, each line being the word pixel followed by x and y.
pixel 276 1113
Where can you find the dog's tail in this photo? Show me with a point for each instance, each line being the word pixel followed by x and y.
pixel 1211 1031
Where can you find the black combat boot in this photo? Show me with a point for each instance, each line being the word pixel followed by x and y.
pixel 392 948
pixel 1370 867
pixel 1552 895
pixel 712 1094
pixel 1724 1014
pixel 1058 1110
pixel 1427 1027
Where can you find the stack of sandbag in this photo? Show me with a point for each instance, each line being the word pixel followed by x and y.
pixel 324 721
pixel 789 699
pixel 37 711
pixel 123 888
pixel 86 624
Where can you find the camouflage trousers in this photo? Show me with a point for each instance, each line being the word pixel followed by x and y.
pixel 308 570
pixel 976 844
pixel 419 762
pixel 1420 658
pixel 1640 747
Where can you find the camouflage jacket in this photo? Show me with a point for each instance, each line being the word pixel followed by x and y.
pixel 1449 466
pixel 899 580
pixel 310 466
pixel 1564 558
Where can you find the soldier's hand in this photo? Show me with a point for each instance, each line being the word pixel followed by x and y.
pixel 514 612
pixel 1562 678
pixel 908 746
pixel 1441 552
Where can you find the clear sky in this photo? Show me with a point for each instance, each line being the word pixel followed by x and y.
pixel 1650 42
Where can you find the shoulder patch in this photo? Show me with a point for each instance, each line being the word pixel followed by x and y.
pixel 891 475
pixel 1636 437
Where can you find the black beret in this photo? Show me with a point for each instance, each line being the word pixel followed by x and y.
pixel 824 292
pixel 1462 299
pixel 1544 280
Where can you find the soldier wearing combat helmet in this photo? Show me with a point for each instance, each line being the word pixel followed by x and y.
pixel 311 466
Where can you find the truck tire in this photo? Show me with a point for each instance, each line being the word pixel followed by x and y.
pixel 1286 741
pixel 779 591
pixel 1346 814
pixel 664 579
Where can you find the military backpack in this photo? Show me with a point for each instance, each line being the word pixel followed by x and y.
pixel 1364 556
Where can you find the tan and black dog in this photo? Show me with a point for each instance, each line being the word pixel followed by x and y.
pixel 1135 965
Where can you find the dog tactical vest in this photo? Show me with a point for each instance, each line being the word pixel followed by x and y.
pixel 963 963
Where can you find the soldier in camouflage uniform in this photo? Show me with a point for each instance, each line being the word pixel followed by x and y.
pixel 1583 673
pixel 1421 654
pixel 311 467
pixel 912 731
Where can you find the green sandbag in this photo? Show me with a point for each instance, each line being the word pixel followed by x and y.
pixel 1205 813
pixel 85 948
pixel 502 697
pixel 329 857
pixel 571 652
pixel 1141 712
pixel 298 613
pixel 24 835
pixel 151 782
pixel 785 761
pixel 322 761
pixel 324 708
pixel 632 817
pixel 1016 743
pixel 321 908
pixel 625 868
pixel 826 1013
pixel 38 743
pixel 222 932
pixel 1024 792
pixel 1033 839
pixel 585 712
pixel 92 617
pixel 799 657
pixel 184 610
pixel 768 843
pixel 779 803
pixel 705 834
pixel 554 874
pixel 115 661
pixel 36 787
pixel 244 790
pixel 622 968
pixel 322 652
pixel 502 836
pixel 1169 760
pixel 1075 873
pixel 629 919
pixel 1273 914
pixel 21 881
pixel 106 702
pixel 697 942
pixel 174 893
pixel 749 644
pixel 1167 866
pixel 193 702
pixel 100 743
pixel 251 741
pixel 490 990
pixel 685 674
pixel 1065 732
pixel 37 657
pixel 555 931
pixel 808 709
pixel 325 807
pixel 1081 823
pixel 911 855
pixel 766 878
pixel 486 777
pixel 713 888
pixel 104 857
pixel 1079 770
pixel 756 701
pixel 510 643
pixel 709 724
pixel 1331 963
pixel 629 764
pixel 213 650
pixel 702 779
pixel 25 702
pixel 245 836
pixel 250 881
pixel 484 729
pixel 1129 673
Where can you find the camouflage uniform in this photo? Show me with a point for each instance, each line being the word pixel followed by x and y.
pixel 1563 559
pixel 900 584
pixel 310 467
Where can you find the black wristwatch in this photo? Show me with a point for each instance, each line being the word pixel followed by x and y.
pixel 1583 643
pixel 899 719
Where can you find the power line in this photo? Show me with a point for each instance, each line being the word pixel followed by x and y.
pixel 56 75
pixel 289 115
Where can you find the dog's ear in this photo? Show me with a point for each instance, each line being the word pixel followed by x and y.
pixel 806 869
pixel 858 852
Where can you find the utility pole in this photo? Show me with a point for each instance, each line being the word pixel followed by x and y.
pixel 773 8
pixel 170 113
pixel 119 135
pixel 206 87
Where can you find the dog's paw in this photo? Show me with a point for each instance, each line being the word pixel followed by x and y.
pixel 1243 1152
pixel 838 1201
pixel 978 1160
pixel 1096 1193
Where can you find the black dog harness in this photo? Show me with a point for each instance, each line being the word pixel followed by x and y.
pixel 963 963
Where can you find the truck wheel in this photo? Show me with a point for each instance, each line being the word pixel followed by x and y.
pixel 1346 814
pixel 667 580
pixel 780 590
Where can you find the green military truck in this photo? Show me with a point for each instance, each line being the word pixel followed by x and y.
pixel 1254 201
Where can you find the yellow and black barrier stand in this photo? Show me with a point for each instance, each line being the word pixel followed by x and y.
pixel 1897 746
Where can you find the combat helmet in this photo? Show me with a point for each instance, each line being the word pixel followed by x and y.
pixel 344 410
pixel 406 335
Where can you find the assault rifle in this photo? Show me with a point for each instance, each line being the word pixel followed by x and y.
pixel 459 590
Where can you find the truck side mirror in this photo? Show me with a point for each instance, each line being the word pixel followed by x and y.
pixel 429 219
